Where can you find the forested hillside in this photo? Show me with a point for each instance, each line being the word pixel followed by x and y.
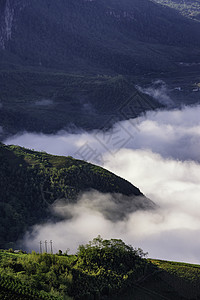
pixel 30 182
pixel 126 37
pixel 49 102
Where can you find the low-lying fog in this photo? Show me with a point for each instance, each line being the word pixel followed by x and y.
pixel 158 153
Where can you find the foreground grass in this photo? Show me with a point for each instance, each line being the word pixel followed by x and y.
pixel 188 272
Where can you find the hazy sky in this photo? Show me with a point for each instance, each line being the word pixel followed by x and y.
pixel 159 153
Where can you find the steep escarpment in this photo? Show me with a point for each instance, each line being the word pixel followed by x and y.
pixel 126 37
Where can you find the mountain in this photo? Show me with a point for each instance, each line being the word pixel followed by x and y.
pixel 76 62
pixel 32 182
pixel 125 37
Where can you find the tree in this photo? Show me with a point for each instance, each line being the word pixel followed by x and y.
pixel 110 254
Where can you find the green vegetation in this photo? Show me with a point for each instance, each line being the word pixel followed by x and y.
pixel 100 268
pixel 30 182
pixel 188 272
pixel 165 280
pixel 177 280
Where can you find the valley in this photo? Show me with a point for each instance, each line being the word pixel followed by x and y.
pixel 121 77
pixel 90 61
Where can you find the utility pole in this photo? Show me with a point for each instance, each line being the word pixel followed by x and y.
pixel 40 247
pixel 45 242
pixel 51 245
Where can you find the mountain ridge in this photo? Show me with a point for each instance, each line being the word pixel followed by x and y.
pixel 31 183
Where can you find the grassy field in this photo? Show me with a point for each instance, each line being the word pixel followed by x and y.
pixel 167 280
pixel 185 271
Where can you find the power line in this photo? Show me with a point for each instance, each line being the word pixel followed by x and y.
pixel 45 249
pixel 51 245
pixel 45 242
pixel 40 247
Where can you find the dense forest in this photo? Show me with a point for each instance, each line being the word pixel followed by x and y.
pixel 42 101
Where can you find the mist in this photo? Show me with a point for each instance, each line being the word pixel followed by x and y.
pixel 106 214
pixel 44 102
pixel 169 231
pixel 171 133
pixel 159 155
pixel 159 91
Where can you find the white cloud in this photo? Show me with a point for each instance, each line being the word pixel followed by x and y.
pixel 162 159
pixel 172 133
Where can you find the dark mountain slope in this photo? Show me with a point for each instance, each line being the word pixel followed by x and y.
pixel 30 182
pixel 127 36
pixel 70 53
pixel 49 102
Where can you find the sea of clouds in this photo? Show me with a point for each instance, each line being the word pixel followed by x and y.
pixel 157 152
